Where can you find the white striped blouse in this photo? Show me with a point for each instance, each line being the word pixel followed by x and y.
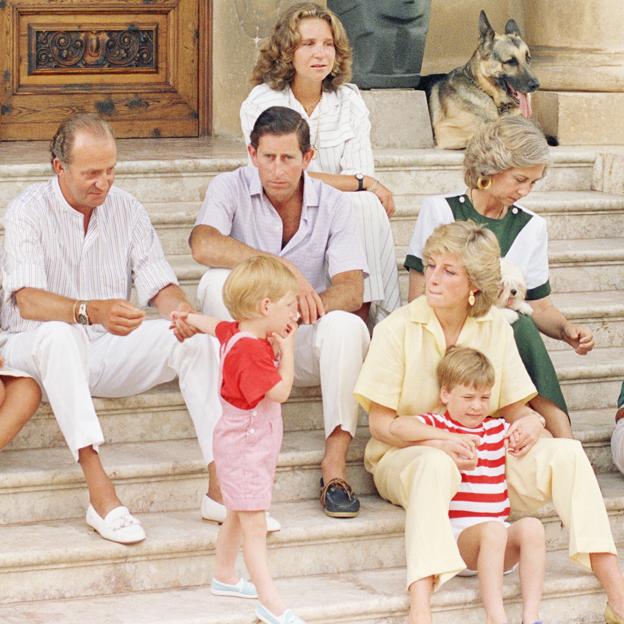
pixel 339 126
pixel 45 247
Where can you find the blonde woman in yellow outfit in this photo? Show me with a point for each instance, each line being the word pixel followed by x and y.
pixel 398 382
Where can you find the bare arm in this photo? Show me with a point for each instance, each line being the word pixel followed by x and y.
pixel 202 322
pixel 416 285
pixel 213 249
pixel 170 298
pixel 348 183
pixel 550 321
pixel 281 390
pixel 118 316
pixel 345 293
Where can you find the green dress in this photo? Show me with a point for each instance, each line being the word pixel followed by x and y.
pixel 522 238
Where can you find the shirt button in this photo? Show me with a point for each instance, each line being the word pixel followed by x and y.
pixel 514 210
pixel 254 413
pixel 462 199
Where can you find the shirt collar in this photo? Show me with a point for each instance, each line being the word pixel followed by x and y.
pixel 421 312
pixel 62 202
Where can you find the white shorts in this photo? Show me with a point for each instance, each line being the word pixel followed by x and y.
pixel 459 524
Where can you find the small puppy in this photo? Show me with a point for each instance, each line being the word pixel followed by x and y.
pixel 512 293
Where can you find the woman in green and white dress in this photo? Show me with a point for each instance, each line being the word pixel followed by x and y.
pixel 502 163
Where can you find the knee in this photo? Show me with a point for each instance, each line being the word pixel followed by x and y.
pixel 57 334
pixel 494 535
pixel 210 291
pixel 434 464
pixel 530 530
pixel 339 326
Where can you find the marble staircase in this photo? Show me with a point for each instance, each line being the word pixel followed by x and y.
pixel 54 569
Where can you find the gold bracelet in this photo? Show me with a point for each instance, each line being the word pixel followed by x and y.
pixel 74 309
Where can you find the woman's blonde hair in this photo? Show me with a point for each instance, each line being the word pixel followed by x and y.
pixel 462 366
pixel 275 61
pixel 255 279
pixel 503 144
pixel 478 251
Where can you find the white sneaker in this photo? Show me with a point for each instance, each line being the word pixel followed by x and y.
pixel 216 512
pixel 118 526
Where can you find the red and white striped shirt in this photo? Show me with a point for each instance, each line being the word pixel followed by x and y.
pixel 483 491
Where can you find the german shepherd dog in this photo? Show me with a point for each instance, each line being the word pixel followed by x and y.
pixel 495 81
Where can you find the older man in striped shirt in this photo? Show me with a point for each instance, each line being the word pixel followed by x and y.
pixel 73 248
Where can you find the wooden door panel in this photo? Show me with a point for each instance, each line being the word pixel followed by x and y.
pixel 135 62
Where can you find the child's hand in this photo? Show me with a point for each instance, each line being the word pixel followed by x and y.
pixel 285 342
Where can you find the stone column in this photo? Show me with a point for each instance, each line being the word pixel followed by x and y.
pixel 578 56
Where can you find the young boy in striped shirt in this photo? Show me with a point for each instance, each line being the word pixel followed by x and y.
pixel 478 513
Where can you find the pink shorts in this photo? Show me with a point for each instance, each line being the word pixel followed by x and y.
pixel 246 445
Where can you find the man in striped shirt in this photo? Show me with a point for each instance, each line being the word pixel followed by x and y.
pixel 73 248
pixel 478 512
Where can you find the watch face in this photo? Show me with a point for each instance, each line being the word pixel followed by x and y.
pixel 83 319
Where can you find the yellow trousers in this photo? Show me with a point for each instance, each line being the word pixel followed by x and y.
pixel 423 480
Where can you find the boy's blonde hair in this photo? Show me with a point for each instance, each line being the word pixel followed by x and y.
pixel 255 279
pixel 462 366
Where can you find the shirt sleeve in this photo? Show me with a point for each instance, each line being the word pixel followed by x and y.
pixel 150 270
pixel 357 156
pixel 219 205
pixel 538 285
pixel 427 419
pixel 23 262
pixel 434 211
pixel 515 385
pixel 255 369
pixel 224 331
pixel 383 372
pixel 345 248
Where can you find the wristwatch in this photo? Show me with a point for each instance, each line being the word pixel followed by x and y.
pixel 360 180
pixel 83 317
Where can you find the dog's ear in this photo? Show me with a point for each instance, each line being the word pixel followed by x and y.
pixel 511 28
pixel 486 32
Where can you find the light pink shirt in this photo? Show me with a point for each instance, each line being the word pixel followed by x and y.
pixel 327 242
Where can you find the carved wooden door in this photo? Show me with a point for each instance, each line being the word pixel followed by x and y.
pixel 141 64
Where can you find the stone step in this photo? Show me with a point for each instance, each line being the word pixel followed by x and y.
pixel 571 596
pixel 190 165
pixel 569 214
pixel 66 559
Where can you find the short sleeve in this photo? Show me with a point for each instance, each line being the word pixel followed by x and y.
pixel 427 419
pixel 538 285
pixel 255 372
pixel 224 330
pixel 383 372
pixel 23 262
pixel 434 211
pixel 345 248
pixel 150 270
pixel 515 383
pixel 219 205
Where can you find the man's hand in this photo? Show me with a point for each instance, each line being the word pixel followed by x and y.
pixel 578 337
pixel 523 434
pixel 181 329
pixel 311 306
pixel 118 316
pixel 462 450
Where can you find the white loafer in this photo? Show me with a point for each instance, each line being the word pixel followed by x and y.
pixel 118 526
pixel 216 512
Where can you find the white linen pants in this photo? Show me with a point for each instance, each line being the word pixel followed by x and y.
pixel 72 364
pixel 617 445
pixel 329 353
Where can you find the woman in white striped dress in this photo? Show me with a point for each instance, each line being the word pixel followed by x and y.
pixel 304 65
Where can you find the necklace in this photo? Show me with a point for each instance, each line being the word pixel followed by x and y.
pixel 309 110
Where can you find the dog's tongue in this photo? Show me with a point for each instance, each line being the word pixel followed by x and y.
pixel 525 102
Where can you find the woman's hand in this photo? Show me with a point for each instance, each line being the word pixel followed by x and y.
pixel 383 193
pixel 523 434
pixel 578 337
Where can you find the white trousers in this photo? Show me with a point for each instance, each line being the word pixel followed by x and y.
pixel 617 445
pixel 72 364
pixel 329 353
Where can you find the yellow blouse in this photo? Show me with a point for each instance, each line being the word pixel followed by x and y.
pixel 400 369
